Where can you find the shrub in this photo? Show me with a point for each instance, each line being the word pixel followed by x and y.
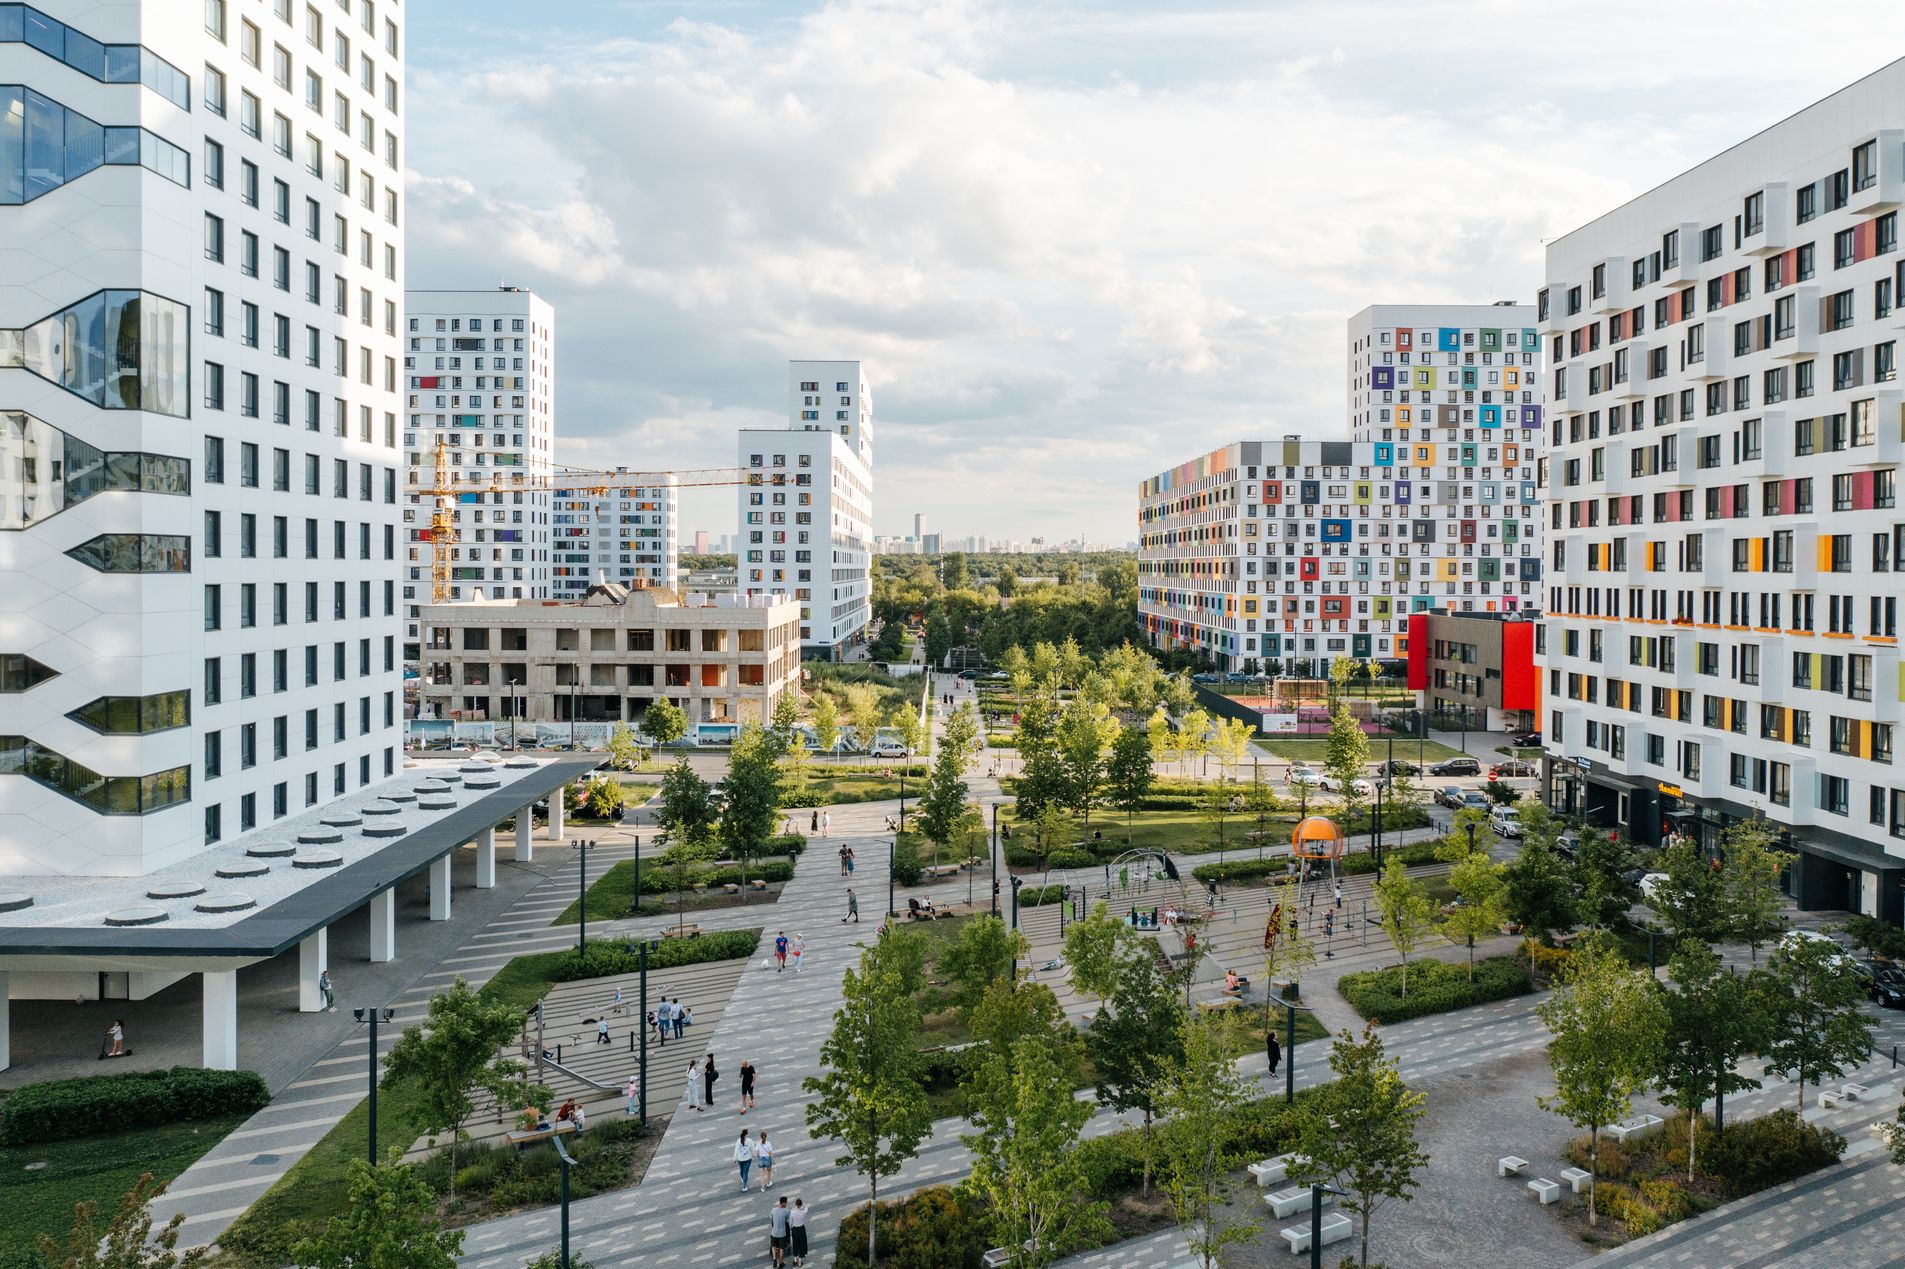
pixel 1544 963
pixel 935 1228
pixel 1353 864
pixel 1877 937
pixel 1752 1155
pixel 1039 896
pixel 906 866
pixel 604 957
pixel 1071 857
pixel 757 870
pixel 1614 1162
pixel 1434 987
pixel 59 1109
pixel 600 798
pixel 1017 856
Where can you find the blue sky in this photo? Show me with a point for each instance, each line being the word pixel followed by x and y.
pixel 1073 243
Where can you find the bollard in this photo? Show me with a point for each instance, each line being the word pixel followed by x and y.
pixel 631 1041
pixel 558 1055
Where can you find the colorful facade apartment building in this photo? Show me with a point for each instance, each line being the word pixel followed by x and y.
pixel 1299 551
pixel 1722 631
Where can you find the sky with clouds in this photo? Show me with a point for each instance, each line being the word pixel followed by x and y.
pixel 1072 243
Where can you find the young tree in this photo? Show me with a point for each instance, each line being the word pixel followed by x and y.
pixel 863 715
pixel 687 805
pixel 1342 670
pixel 624 751
pixel 124 1242
pixel 938 639
pixel 751 795
pixel 1136 1040
pixel 1201 1096
pixel 796 771
pixel 1193 734
pixel 1601 865
pixel 961 735
pixel 826 722
pixel 1025 1156
pixel 1287 950
pixel 1360 1132
pixel 390 1220
pixel 1096 949
pixel 1407 917
pixel 1815 1028
pixel 1692 897
pixel 786 717
pixel 1158 731
pixel 1538 892
pixel 869 1097
pixel 1229 742
pixel 1751 882
pixel 1714 1018
pixel 453 1055
pixel 1478 881
pixel 913 731
pixel 1261 801
pixel 1051 829
pixel 1346 753
pixel 1216 805
pixel 1608 1024
pixel 1084 735
pixel 942 805
pixel 1372 670
pixel 663 722
pixel 985 952
pixel 1128 775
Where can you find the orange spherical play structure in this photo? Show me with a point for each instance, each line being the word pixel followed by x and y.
pixel 1317 837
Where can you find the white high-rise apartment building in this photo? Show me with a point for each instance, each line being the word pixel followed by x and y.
pixel 1724 529
pixel 479 369
pixel 614 533
pixel 201 265
pixel 807 523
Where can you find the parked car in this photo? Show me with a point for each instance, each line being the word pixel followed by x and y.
pixel 1396 766
pixel 1650 882
pixel 1527 740
pixel 1888 987
pixel 1474 800
pixel 968 675
pixel 1304 775
pixel 1362 788
pixel 1207 678
pixel 1511 768
pixel 1505 820
pixel 888 749
pixel 1867 975
pixel 1456 767
pixel 1566 845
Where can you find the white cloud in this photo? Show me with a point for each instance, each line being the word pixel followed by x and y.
pixel 1073 244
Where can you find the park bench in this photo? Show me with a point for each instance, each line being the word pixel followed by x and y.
pixel 999 1257
pixel 1336 1227
pixel 1277 1169
pixel 1638 1126
pixel 731 887
pixel 942 870
pixel 681 932
pixel 521 1137
pixel 1510 1165
pixel 1545 1190
pixel 758 884
pixel 1830 1097
pixel 1855 1092
pixel 1294 1199
pixel 1576 1177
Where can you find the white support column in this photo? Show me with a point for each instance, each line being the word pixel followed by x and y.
pixel 314 957
pixel 383 925
pixel 525 842
pixel 440 889
pixel 486 858
pixel 220 1018
pixel 6 1022
pixel 555 816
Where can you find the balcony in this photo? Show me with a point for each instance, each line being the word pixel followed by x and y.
pixel 1774 234
pixel 1687 268
pixel 1634 387
pixel 1618 293
pixel 1888 429
pixel 1801 341
pixel 1885 188
pixel 1717 363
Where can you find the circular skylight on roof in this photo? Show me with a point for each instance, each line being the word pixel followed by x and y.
pixel 175 890
pixel 242 868
pixel 230 901
pixel 269 849
pixel 317 858
pixel 137 914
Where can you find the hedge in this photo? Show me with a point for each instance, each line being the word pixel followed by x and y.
pixel 1355 863
pixel 1039 896
pixel 59 1109
pixel 936 1228
pixel 604 957
pixel 1434 987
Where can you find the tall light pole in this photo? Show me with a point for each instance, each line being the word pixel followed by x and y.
pixel 582 898
pixel 512 715
pixel 373 1015
pixel 567 1163
pixel 572 703
pixel 995 859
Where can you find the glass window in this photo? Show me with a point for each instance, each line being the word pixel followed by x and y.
pixel 135 553
pixel 118 349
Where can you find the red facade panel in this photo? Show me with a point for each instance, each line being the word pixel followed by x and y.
pixel 1521 682
pixel 1418 651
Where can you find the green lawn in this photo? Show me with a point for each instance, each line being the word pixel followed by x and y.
pixel 1310 749
pixel 614 891
pixel 840 787
pixel 97 1169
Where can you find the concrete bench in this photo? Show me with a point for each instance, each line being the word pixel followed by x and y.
pixel 1576 1177
pixel 758 884
pixel 530 1136
pixel 999 1257
pixel 1545 1190
pixel 681 931
pixel 943 870
pixel 731 887
pixel 1336 1227
pixel 1637 1127
pixel 1294 1199
pixel 1270 1171
pixel 1855 1092
pixel 1509 1165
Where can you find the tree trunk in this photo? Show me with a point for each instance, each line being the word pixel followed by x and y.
pixel 1693 1134
pixel 1594 1170
pixel 873 1196
pixel 1365 1253
pixel 1145 1188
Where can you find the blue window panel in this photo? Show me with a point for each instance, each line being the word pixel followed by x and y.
pixel 1448 339
pixel 1491 416
pixel 1385 455
pixel 1338 530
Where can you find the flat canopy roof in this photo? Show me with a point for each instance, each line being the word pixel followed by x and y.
pixel 282 925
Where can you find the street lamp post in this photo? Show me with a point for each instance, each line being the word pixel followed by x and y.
pixel 512 715
pixel 995 859
pixel 635 905
pixel 373 1015
pixel 902 799
pixel 892 852
pixel 567 1163
pixel 572 701
pixel 641 1022
pixel 1017 881
pixel 1317 1190
pixel 582 897
pixel 1376 828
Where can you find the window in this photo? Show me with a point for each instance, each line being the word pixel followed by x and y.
pixel 1865 165
pixel 1806 203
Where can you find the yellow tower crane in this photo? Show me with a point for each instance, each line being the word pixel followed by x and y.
pixel 444 488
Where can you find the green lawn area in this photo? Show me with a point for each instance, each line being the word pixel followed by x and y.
pixel 838 787
pixel 100 1169
pixel 1310 749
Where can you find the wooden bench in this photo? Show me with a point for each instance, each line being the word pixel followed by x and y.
pixel 1576 1177
pixel 1510 1165
pixel 530 1136
pixel 681 932
pixel 1294 1199
pixel 1336 1227
pixel 1545 1190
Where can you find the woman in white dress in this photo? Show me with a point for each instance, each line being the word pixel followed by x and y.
pixel 693 1096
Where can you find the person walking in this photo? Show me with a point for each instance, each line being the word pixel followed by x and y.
pixel 692 1096
pixel 843 861
pixel 708 1076
pixel 744 1158
pixel 764 1161
pixel 678 1016
pixel 747 1085
pixel 325 993
pixel 602 1030
pixel 780 950
pixel 1339 894
pixel 826 823
pixel 797 1233
pixel 853 909
pixel 1272 1050
pixel 798 946
pixel 634 1091
pixel 777 1227
pixel 814 825
pixel 852 861
pixel 664 1018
